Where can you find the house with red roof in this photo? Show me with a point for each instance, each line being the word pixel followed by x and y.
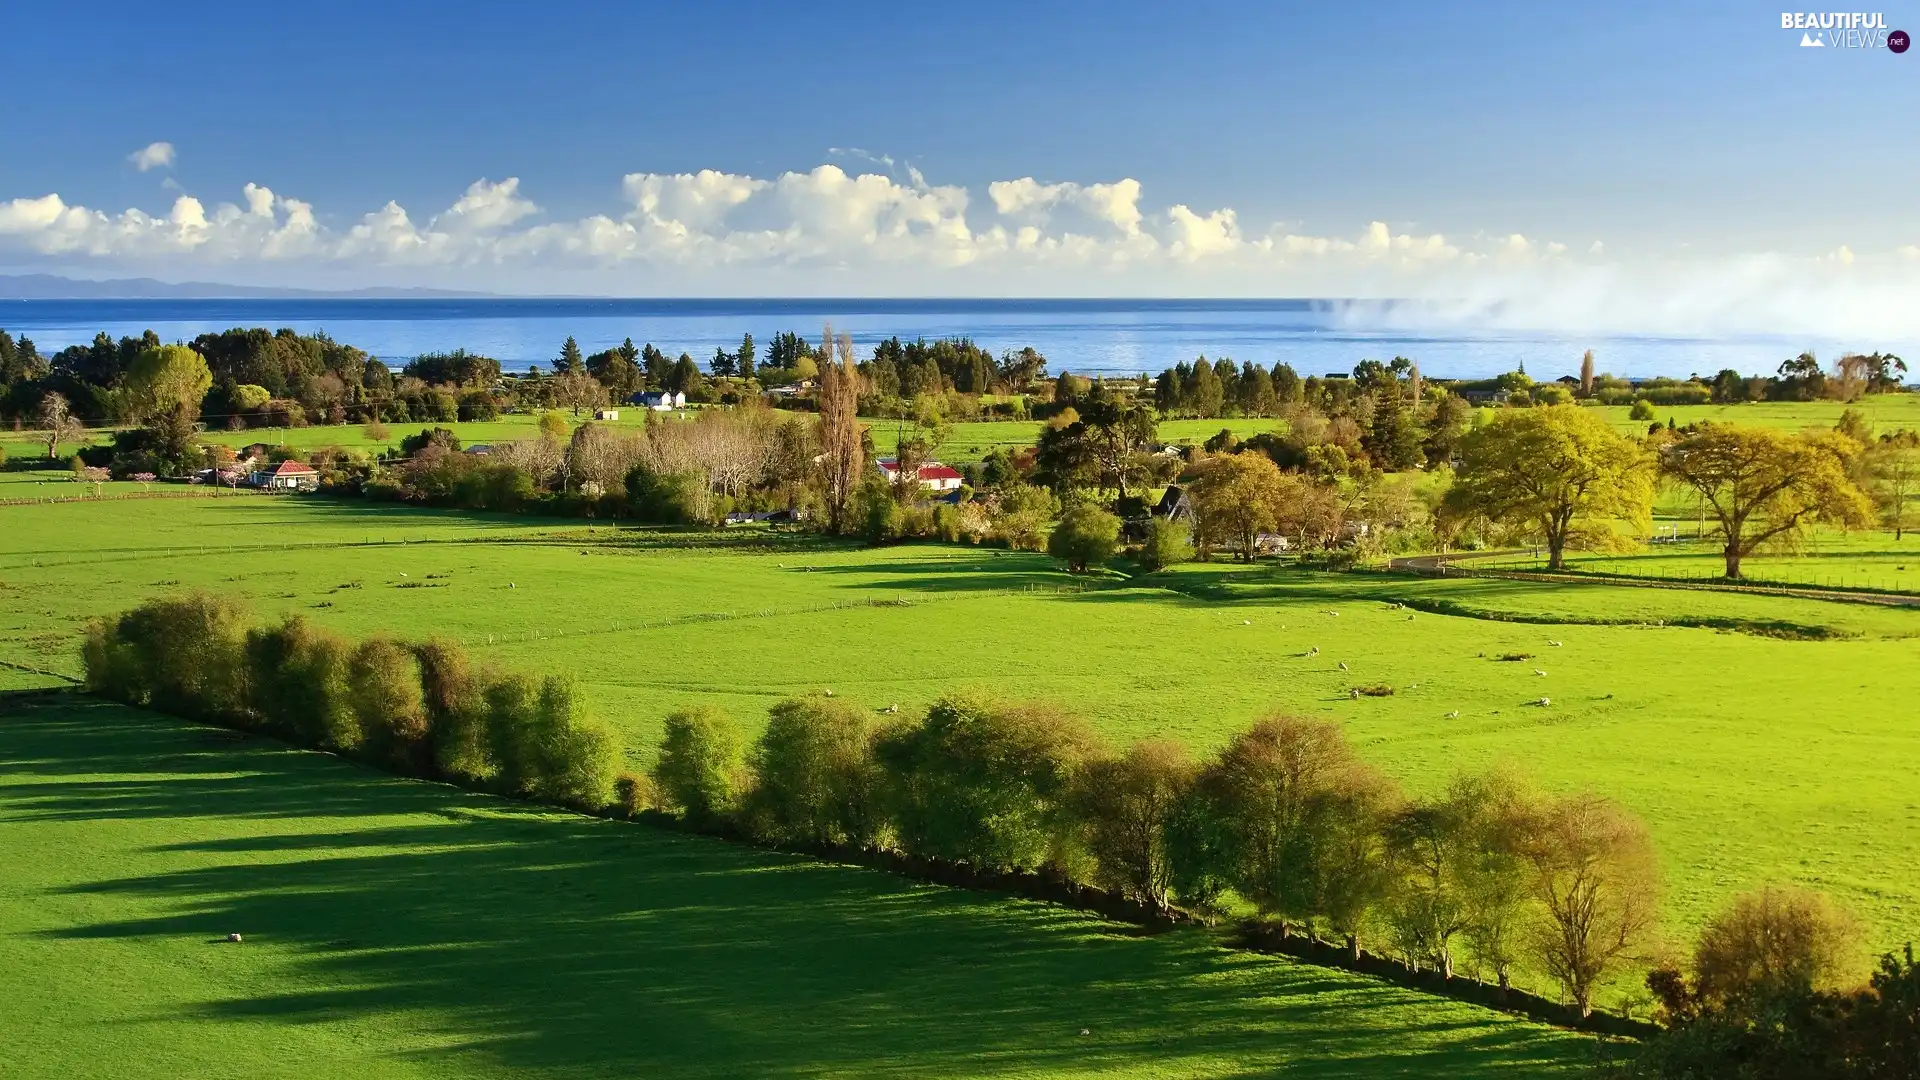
pixel 933 475
pixel 287 476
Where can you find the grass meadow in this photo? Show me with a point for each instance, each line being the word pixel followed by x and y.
pixel 1774 742
pixel 403 929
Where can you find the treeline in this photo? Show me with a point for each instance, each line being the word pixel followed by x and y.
pixel 1487 875
pixel 417 709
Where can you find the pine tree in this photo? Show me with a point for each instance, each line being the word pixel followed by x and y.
pixel 570 360
pixel 743 360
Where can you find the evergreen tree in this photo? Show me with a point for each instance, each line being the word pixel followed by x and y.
pixel 743 360
pixel 570 360
pixel 722 365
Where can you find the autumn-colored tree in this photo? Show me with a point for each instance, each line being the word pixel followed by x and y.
pixel 1558 472
pixel 1778 939
pixel 1239 496
pixel 1766 487
pixel 838 399
pixel 1597 881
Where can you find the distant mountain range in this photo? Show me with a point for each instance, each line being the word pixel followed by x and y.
pixel 54 287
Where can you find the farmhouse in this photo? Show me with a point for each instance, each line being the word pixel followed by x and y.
pixel 933 475
pixel 287 476
pixel 659 400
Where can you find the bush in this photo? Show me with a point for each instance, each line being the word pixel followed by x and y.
pixel 457 714
pixel 183 655
pixel 544 747
pixel 631 793
pixel 815 780
pixel 1775 941
pixel 1168 542
pixel 700 771
pixel 383 685
pixel 1086 536
pixel 984 782
pixel 1020 515
pixel 298 685
pixel 1642 410
pixel 375 431
pixel 678 498
pixel 438 436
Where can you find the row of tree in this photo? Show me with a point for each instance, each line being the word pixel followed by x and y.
pixel 1564 476
pixel 419 709
pixel 1285 817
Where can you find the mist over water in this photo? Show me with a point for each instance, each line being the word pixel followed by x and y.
pixel 1112 337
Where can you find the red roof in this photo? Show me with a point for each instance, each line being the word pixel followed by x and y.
pixel 292 468
pixel 939 472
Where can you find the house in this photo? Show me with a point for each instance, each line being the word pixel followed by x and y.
pixel 606 414
pixel 659 400
pixel 480 450
pixel 287 476
pixel 1174 505
pixel 792 389
pixel 933 475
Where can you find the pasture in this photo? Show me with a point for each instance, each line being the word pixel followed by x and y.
pixel 1770 739
pixel 401 929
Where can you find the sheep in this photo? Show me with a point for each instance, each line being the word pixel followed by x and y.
pixel 1414 686
pixel 1544 702
pixel 894 708
pixel 829 693
pixel 509 584
pixel 1246 622
pixel 1454 715
pixel 1537 671
pixel 1409 617
pixel 235 938
pixel 1343 665
pixel 1554 644
pixel 1354 694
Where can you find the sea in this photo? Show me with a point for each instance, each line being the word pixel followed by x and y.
pixel 1106 337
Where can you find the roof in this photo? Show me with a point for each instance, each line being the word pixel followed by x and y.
pixel 293 468
pixel 931 471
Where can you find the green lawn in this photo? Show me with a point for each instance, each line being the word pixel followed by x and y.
pixel 1753 757
pixel 1831 559
pixel 1889 412
pixel 400 929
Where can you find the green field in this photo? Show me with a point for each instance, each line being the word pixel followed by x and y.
pixel 1888 412
pixel 1831 559
pixel 400 929
pixel 1753 755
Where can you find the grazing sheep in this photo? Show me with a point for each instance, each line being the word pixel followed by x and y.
pixel 1544 702
pixel 1415 686
pixel 894 708
pixel 1343 665
pixel 1537 671
pixel 1409 617
pixel 509 584
pixel 829 693
pixel 235 938
pixel 1246 622
pixel 1085 1031
pixel 1555 644
pixel 1454 715
pixel 403 575
pixel 1354 694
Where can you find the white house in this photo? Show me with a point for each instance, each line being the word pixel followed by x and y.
pixel 287 476
pixel 660 400
pixel 933 475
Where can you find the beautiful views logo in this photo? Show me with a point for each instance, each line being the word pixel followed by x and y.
pixel 1844 30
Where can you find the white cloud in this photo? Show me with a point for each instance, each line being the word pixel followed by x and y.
pixel 828 230
pixel 158 155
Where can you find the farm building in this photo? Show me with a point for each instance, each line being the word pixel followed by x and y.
pixel 933 475
pixel 659 400
pixel 606 414
pixel 287 476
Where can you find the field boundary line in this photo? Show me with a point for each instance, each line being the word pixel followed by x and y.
pixel 1443 566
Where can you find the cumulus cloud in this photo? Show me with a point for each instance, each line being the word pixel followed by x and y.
pixel 831 230
pixel 158 155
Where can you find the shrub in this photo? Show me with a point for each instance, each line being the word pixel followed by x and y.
pixel 1642 410
pixel 544 746
pixel 949 524
pixel 183 655
pixel 1168 542
pixel 815 780
pixel 1086 536
pixel 439 436
pixel 298 684
pixel 632 792
pixel 456 712
pixel 984 782
pixel 383 685
pixel 1020 515
pixel 700 771
pixel 678 498
pixel 1779 940
pixel 375 431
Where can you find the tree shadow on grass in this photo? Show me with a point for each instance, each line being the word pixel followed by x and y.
pixel 551 942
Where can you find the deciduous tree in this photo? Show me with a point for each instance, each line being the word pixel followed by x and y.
pixel 1762 486
pixel 1560 472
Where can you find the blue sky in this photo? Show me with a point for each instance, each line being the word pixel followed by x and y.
pixel 1668 132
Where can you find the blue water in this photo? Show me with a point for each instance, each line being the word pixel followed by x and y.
pixel 1091 336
